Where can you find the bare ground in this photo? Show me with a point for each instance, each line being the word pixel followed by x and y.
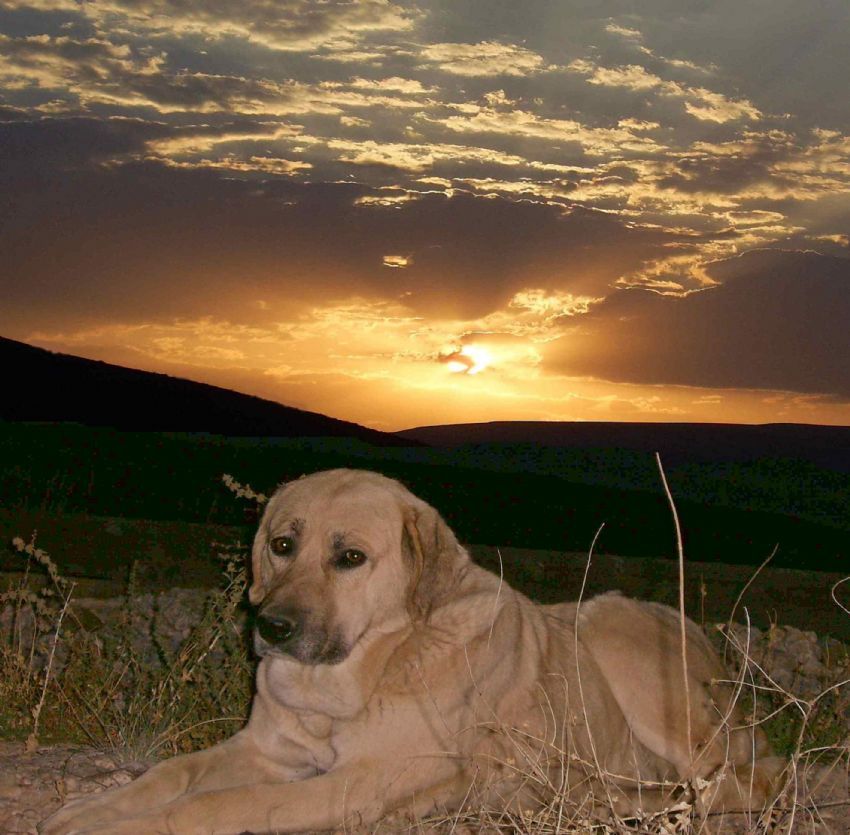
pixel 35 784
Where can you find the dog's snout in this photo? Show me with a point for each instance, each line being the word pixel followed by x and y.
pixel 277 627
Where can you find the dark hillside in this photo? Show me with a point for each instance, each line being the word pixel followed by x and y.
pixel 40 385
pixel 678 443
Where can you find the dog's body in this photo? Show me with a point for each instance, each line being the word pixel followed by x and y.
pixel 397 676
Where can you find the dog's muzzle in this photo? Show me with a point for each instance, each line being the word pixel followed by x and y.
pixel 277 628
pixel 286 631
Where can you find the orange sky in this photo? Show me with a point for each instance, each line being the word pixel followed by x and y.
pixel 405 213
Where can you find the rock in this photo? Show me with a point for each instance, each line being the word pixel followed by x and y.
pixel 794 659
pixel 158 624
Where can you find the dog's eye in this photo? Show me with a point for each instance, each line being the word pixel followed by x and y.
pixel 281 546
pixel 350 558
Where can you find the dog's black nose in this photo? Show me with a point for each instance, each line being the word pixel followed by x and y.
pixel 276 627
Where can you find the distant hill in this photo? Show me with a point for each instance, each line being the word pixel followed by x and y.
pixel 40 385
pixel 678 443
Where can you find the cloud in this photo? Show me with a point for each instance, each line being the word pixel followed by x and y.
pixel 397 261
pixel 27 146
pixel 97 72
pixel 775 320
pixel 71 66
pixel 711 106
pixel 699 102
pixel 33 146
pixel 520 123
pixel 197 139
pixel 772 165
pixel 550 305
pixel 263 165
pixel 419 157
pixel 624 32
pixel 395 84
pixel 487 58
pixel 287 25
pixel 185 239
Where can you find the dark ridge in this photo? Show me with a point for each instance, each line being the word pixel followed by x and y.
pixel 40 385
pixel 678 443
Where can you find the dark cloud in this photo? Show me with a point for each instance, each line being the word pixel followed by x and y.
pixel 779 320
pixel 731 172
pixel 29 148
pixel 144 239
pixel 43 149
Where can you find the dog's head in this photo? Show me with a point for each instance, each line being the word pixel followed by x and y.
pixel 343 552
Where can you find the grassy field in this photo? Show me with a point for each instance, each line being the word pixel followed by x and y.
pixel 523 496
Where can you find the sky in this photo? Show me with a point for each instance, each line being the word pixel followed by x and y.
pixel 410 213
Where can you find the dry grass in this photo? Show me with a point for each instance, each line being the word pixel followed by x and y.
pixel 103 692
pixel 59 681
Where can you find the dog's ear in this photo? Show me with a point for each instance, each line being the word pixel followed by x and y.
pixel 436 558
pixel 257 590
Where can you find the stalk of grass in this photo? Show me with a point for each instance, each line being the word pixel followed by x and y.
pixel 32 739
pixel 103 692
pixel 680 552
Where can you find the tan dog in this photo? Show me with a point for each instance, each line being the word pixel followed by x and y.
pixel 397 676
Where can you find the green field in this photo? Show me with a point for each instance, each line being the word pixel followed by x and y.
pixel 520 495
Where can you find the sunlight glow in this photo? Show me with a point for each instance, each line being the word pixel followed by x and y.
pixel 471 359
pixel 398 261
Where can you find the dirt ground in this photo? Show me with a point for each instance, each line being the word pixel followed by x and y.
pixel 35 784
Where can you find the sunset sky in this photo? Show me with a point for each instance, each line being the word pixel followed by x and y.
pixel 406 213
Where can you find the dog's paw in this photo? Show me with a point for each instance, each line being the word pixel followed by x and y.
pixel 76 817
pixel 149 825
pixel 134 826
pixel 59 823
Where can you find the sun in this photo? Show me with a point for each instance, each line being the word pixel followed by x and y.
pixel 471 359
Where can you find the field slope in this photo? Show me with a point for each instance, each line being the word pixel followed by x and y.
pixel 41 385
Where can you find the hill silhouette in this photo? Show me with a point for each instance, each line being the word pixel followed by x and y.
pixel 40 385
pixel 679 443
pixel 86 437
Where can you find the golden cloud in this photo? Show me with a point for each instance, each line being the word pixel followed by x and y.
pixel 397 261
pixel 487 58
pixel 594 141
pixel 699 102
pixel 286 25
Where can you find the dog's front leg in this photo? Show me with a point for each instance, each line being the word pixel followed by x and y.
pixel 348 796
pixel 234 762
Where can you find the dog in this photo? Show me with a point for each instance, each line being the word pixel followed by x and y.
pixel 396 677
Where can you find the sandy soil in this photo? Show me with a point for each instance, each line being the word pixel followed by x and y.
pixel 35 784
